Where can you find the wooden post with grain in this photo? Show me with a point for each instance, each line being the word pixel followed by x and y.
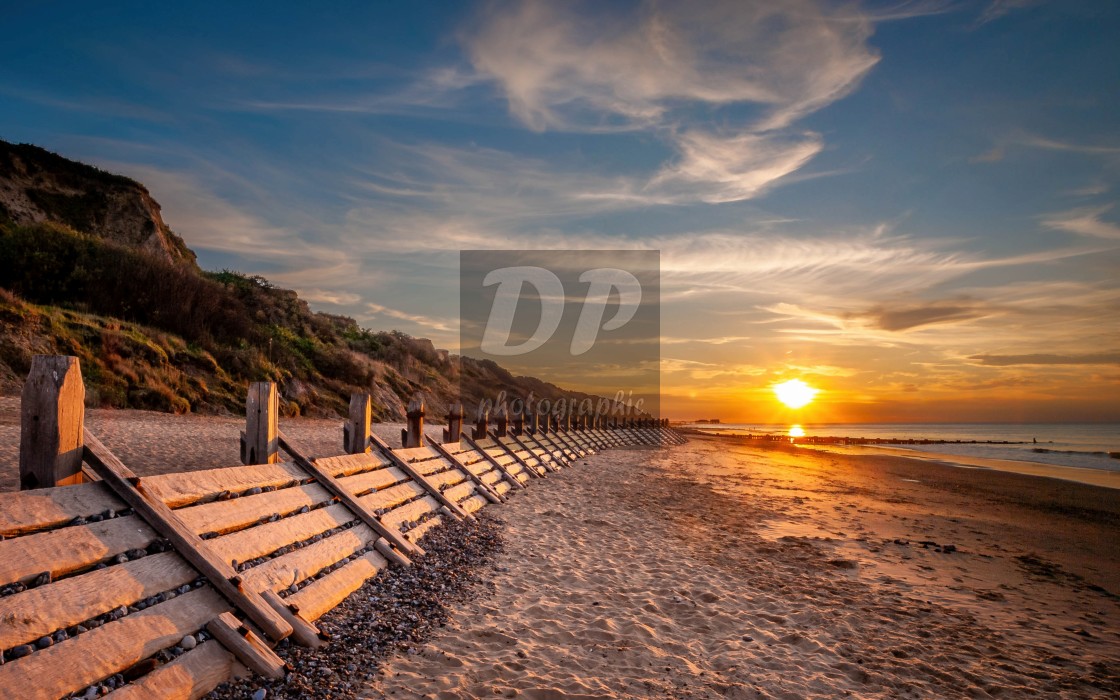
pixel 481 429
pixel 52 418
pixel 454 429
pixel 262 411
pixel 413 435
pixel 502 427
pixel 355 433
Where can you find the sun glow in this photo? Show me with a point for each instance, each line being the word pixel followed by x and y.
pixel 794 393
pixel 796 431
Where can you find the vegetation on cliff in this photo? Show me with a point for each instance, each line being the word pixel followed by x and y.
pixel 155 333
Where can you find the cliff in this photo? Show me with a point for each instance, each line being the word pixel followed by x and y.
pixel 37 186
pixel 88 268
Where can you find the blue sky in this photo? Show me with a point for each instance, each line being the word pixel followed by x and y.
pixel 910 205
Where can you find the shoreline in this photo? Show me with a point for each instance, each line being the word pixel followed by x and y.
pixel 1105 478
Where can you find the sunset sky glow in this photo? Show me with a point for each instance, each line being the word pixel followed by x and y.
pixel 910 206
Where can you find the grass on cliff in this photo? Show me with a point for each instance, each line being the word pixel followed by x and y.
pixel 155 334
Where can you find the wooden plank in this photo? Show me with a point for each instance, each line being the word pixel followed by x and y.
pixel 246 646
pixel 458 447
pixel 189 677
pixel 266 539
pixel 473 503
pixel 555 449
pixel 52 418
pixel 503 487
pixel 303 632
pixel 30 614
pixel 303 563
pixel 491 477
pixel 545 457
pixel 573 451
pixel 423 528
pixel 447 478
pixel 70 549
pixel 348 499
pixel 513 481
pixel 415 454
pixel 463 490
pixel 376 479
pixel 40 509
pixel 580 440
pixel 91 656
pixel 450 459
pixel 412 510
pixel 519 460
pixel 220 574
pixel 345 465
pixel 224 516
pixel 418 478
pixel 184 488
pixel 591 439
pixel 430 466
pixel 537 461
pixel 392 497
pixel 318 597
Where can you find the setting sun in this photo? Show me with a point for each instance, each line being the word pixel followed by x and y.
pixel 794 393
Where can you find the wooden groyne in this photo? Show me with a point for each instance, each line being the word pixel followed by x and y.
pixel 102 572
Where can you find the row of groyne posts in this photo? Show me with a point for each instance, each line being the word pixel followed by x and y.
pixel 166 585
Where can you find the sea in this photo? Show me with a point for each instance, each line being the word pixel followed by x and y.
pixel 1084 445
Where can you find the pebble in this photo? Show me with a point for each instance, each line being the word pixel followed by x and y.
pixel 188 642
pixel 20 651
pixel 395 612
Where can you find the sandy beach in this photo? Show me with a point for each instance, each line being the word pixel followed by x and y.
pixel 713 571
pixel 746 571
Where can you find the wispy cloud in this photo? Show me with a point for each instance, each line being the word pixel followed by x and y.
pixel 438 324
pixel 1068 146
pixel 652 68
pixel 996 9
pixel 1104 358
pixel 1084 222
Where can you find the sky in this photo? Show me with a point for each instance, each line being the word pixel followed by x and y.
pixel 911 206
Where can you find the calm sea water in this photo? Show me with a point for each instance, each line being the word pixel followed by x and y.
pixel 1065 445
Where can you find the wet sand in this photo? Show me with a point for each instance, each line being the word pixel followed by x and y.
pixel 1082 475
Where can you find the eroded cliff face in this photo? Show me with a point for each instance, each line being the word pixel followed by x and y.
pixel 37 186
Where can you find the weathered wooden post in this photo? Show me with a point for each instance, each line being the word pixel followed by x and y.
pixel 355 433
pixel 534 423
pixel 52 417
pixel 518 424
pixel 502 428
pixel 413 435
pixel 566 425
pixel 262 411
pixel 481 430
pixel 454 430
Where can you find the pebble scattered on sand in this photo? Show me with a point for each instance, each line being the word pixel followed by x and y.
pixel 396 611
